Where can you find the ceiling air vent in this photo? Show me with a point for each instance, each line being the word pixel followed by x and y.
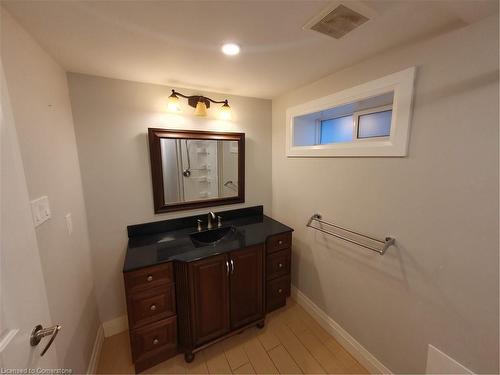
pixel 339 22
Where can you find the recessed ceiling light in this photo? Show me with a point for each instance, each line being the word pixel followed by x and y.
pixel 230 49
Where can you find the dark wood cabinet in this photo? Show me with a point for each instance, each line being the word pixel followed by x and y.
pixel 152 318
pixel 279 242
pixel 278 260
pixel 151 305
pixel 209 298
pixel 154 343
pixel 246 284
pixel 278 264
pixel 186 306
pixel 148 277
pixel 218 296
pixel 277 290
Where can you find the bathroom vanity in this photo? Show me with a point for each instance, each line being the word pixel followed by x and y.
pixel 187 289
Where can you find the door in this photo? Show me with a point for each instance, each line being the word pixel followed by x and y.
pixel 22 290
pixel 247 300
pixel 210 298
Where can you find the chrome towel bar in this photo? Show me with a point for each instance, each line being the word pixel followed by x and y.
pixel 384 244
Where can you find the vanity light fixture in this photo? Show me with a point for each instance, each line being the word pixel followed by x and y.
pixel 199 103
pixel 225 111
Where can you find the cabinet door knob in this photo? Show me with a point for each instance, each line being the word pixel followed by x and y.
pixel 152 307
pixel 280 242
pixel 280 265
pixel 280 290
pixel 156 341
pixel 149 278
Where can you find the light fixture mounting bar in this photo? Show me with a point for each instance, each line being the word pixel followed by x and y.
pixel 195 99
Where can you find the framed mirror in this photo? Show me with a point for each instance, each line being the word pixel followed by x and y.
pixel 193 169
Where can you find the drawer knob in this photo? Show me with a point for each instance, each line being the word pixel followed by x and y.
pixel 152 307
pixel 280 265
pixel 156 341
pixel 280 290
pixel 280 242
pixel 149 278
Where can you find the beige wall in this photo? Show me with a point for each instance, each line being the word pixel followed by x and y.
pixel 111 121
pixel 42 113
pixel 440 285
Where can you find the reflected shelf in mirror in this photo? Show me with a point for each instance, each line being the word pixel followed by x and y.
pixel 196 169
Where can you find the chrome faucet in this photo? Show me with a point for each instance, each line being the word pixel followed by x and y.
pixel 211 216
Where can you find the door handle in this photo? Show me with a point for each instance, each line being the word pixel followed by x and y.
pixel 39 333
pixel 227 267
pixel 232 267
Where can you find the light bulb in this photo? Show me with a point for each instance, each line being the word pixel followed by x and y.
pixel 201 109
pixel 230 49
pixel 225 112
pixel 173 103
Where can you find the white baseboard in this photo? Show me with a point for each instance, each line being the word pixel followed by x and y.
pixel 115 326
pixel 96 351
pixel 363 356
pixel 441 363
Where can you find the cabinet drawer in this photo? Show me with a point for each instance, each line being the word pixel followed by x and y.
pixel 149 277
pixel 279 242
pixel 277 291
pixel 151 305
pixel 278 264
pixel 153 338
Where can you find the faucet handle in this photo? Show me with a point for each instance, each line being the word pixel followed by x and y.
pixel 219 221
pixel 199 222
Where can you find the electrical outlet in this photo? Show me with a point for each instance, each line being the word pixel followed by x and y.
pixel 40 210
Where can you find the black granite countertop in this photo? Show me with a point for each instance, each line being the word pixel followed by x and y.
pixel 155 243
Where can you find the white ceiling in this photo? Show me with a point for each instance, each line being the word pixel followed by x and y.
pixel 178 42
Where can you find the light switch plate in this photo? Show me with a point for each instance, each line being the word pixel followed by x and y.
pixel 40 210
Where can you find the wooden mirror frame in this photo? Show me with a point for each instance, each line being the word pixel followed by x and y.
pixel 156 134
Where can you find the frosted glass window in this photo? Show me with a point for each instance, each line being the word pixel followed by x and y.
pixel 376 124
pixel 304 132
pixel 336 130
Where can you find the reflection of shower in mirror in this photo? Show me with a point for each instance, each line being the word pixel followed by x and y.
pixel 195 169
pixel 231 185
pixel 187 171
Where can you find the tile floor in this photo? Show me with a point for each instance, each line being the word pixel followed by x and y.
pixel 292 342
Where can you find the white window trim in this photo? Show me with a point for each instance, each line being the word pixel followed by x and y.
pixel 401 83
pixel 317 130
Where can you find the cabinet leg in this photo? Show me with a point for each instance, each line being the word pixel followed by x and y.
pixel 189 357
pixel 260 325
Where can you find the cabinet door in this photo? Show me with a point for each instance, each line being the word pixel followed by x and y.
pixel 246 284
pixel 210 298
